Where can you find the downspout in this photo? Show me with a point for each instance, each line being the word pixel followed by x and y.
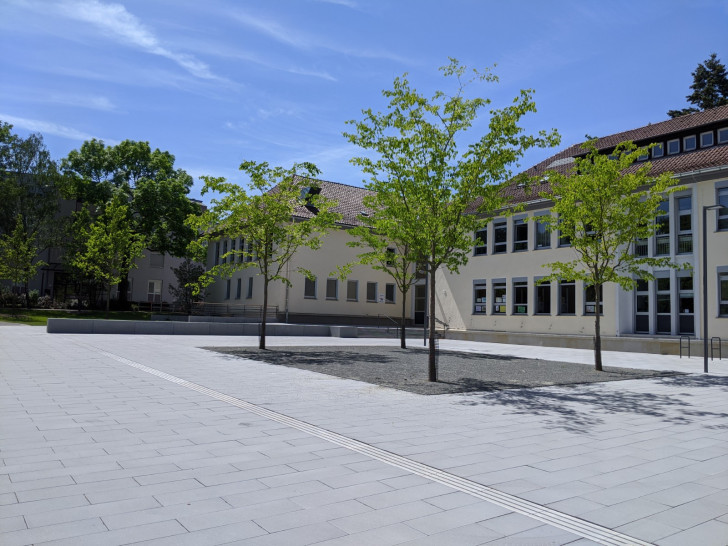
pixel 288 269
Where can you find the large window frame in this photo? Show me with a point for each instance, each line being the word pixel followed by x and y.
pixel 520 296
pixel 371 292
pixel 309 288
pixel 567 298
pixel 722 292
pixel 542 235
pixel 481 242
pixel 390 292
pixel 249 294
pixel 352 290
pixel 332 289
pixel 662 232
pixel 721 198
pixel 500 237
pixel 520 235
pixel 684 221
pixel 590 302
pixel 543 297
pixel 500 297
pixel 707 139
pixel 480 297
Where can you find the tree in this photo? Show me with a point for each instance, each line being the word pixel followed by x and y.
pixel 110 246
pixel 189 289
pixel 442 193
pixel 385 240
pixel 604 205
pixel 29 185
pixel 156 191
pixel 710 87
pixel 18 257
pixel 276 216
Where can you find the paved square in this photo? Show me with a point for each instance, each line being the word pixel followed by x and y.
pixel 130 439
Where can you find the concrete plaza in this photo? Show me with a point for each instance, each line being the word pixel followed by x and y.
pixel 120 439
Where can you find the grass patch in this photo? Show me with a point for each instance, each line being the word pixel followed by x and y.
pixel 39 317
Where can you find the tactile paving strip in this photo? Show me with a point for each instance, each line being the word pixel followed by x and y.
pixel 583 528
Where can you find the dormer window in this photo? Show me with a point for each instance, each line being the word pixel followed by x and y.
pixel 690 143
pixel 706 139
pixel 308 192
pixel 723 135
pixel 673 146
pixel 658 151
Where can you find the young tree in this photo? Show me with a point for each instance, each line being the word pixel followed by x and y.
pixel 110 246
pixel 189 289
pixel 18 257
pixel 384 240
pixel 710 87
pixel 603 206
pixel 443 193
pixel 275 217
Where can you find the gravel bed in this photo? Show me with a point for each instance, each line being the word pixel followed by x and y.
pixel 406 369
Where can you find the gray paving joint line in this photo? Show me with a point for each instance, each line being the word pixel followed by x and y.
pixel 583 528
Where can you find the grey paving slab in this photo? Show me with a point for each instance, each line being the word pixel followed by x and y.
pixel 93 431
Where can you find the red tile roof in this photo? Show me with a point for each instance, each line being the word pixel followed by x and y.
pixel 350 201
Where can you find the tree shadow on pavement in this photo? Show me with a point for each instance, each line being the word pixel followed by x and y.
pixel 579 408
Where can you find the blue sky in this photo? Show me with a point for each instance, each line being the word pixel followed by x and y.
pixel 222 81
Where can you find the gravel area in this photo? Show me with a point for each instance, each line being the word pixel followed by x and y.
pixel 406 369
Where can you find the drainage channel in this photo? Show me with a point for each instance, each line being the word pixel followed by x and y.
pixel 583 528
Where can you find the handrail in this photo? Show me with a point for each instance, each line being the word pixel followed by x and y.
pixel 712 348
pixel 686 338
pixel 396 324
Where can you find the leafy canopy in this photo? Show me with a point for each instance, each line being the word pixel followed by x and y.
pixel 603 206
pixel 710 87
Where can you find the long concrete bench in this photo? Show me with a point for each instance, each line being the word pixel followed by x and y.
pixel 101 326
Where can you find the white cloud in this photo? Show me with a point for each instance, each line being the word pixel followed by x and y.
pixel 84 101
pixel 116 21
pixel 300 40
pixel 49 128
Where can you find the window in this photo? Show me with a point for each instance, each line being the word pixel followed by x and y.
pixel 590 300
pixel 309 288
pixel 662 235
pixel 500 234
pixel 227 289
pixel 657 150
pixel 499 297
pixel 241 249
pixel 690 143
pixel 684 225
pixel 224 251
pixel 389 293
pixel 390 257
pixel 480 298
pixel 481 242
pixel 371 291
pixel 543 235
pixel 723 295
pixel 154 291
pixel 217 252
pixel 673 146
pixel 686 302
pixel 564 240
pixel 249 295
pixel 722 213
pixel 567 298
pixel 352 290
pixel 249 251
pixel 706 139
pixel 233 242
pixel 332 289
pixel 520 235
pixel 723 135
pixel 520 297
pixel 642 307
pixel 543 298
pixel 239 289
pixel 664 305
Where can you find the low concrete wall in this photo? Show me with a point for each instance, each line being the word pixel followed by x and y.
pixel 632 344
pixel 143 327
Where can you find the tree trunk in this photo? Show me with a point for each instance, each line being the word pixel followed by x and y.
pixel 597 330
pixel 108 299
pixel 431 318
pixel 402 332
pixel 123 290
pixel 27 295
pixel 261 344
